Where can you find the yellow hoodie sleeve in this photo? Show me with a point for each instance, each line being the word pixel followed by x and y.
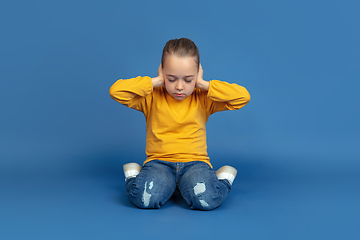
pixel 225 96
pixel 132 92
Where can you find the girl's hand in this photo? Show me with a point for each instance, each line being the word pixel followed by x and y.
pixel 200 82
pixel 159 80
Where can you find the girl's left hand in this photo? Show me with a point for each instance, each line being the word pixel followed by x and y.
pixel 200 82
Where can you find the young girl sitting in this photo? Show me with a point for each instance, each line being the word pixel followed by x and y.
pixel 177 104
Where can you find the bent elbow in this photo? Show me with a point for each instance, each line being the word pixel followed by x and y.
pixel 112 91
pixel 247 97
pixel 241 101
pixel 115 93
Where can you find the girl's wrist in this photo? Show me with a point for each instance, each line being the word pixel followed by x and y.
pixel 157 82
pixel 203 85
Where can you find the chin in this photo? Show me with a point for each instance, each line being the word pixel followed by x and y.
pixel 179 97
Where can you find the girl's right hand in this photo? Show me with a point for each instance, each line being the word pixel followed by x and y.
pixel 159 80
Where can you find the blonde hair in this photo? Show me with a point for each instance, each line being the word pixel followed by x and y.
pixel 182 47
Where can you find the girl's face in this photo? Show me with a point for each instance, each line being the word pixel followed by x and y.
pixel 180 74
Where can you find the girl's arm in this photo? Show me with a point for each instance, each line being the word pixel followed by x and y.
pixel 134 92
pixel 225 96
pixel 221 95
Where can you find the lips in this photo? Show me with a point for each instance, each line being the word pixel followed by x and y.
pixel 179 94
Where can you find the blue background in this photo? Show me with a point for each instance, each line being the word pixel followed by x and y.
pixel 63 140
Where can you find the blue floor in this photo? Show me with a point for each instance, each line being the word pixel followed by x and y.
pixel 272 198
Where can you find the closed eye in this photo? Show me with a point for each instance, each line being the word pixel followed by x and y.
pixel 189 78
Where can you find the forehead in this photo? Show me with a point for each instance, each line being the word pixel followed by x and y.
pixel 180 65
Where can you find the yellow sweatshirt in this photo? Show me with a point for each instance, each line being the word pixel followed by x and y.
pixel 176 129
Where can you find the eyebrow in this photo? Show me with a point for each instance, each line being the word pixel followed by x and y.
pixel 169 75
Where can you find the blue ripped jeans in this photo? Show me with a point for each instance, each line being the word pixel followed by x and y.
pixel 196 181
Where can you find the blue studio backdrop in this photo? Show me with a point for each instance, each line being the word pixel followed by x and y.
pixel 63 140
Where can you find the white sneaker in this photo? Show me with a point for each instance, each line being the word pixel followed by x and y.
pixel 131 170
pixel 226 172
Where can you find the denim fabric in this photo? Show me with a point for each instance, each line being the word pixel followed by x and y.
pixel 196 181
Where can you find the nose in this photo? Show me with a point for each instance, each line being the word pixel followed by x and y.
pixel 179 86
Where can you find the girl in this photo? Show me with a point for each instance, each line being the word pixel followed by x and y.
pixel 177 104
